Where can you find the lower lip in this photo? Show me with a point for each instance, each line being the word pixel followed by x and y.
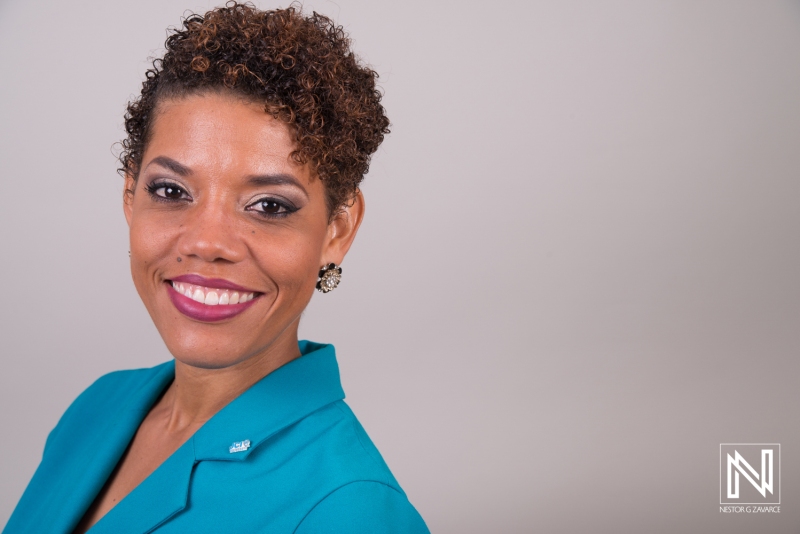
pixel 201 312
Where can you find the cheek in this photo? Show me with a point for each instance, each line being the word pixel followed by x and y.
pixel 151 242
pixel 292 261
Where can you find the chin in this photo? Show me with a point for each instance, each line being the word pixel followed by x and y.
pixel 207 345
pixel 205 361
pixel 208 353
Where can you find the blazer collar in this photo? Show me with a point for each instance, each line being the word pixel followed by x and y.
pixel 278 400
pixel 80 456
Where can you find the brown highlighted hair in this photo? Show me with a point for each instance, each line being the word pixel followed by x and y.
pixel 299 67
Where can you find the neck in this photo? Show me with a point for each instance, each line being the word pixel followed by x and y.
pixel 197 393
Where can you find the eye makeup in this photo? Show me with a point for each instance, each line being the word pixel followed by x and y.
pixel 166 191
pixel 268 207
pixel 272 207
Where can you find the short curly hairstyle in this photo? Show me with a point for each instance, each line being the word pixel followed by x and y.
pixel 299 67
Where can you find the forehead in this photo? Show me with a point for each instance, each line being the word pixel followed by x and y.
pixel 222 134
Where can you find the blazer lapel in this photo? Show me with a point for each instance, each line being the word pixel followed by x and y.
pixel 101 458
pixel 78 462
pixel 160 496
pixel 277 401
pixel 82 459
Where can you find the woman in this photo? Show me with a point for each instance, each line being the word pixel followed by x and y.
pixel 244 154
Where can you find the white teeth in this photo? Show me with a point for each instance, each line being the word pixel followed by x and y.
pixel 212 296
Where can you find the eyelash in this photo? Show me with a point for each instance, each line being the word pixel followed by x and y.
pixel 287 208
pixel 155 186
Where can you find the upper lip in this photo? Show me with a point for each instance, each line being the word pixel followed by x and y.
pixel 218 283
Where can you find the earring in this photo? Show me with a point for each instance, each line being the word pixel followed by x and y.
pixel 329 277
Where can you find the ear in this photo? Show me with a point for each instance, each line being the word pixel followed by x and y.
pixel 342 230
pixel 127 197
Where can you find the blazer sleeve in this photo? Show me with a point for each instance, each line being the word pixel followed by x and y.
pixel 363 507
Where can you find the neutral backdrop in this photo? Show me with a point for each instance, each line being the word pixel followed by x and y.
pixel 577 276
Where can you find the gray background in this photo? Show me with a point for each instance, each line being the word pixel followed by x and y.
pixel 578 272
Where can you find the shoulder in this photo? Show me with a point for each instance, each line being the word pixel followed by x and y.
pixel 107 394
pixel 362 494
pixel 117 387
pixel 332 477
pixel 120 384
pixel 364 506
pixel 339 448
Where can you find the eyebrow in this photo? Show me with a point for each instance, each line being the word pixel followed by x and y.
pixel 171 164
pixel 256 180
pixel 276 179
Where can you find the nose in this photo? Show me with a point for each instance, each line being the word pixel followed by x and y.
pixel 209 234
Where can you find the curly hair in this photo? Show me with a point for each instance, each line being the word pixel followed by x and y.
pixel 299 67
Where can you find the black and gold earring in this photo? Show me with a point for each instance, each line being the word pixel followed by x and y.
pixel 329 277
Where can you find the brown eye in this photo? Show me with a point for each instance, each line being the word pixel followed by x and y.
pixel 172 192
pixel 270 206
pixel 167 192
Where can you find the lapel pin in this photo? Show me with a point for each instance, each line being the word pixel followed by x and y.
pixel 239 446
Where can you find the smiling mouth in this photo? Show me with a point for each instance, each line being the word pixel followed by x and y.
pixel 212 296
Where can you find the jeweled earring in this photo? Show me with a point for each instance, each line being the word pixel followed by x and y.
pixel 329 277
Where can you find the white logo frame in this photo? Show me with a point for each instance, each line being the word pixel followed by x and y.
pixel 724 483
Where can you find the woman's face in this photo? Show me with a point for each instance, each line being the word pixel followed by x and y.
pixel 227 232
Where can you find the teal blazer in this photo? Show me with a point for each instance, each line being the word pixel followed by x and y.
pixel 286 456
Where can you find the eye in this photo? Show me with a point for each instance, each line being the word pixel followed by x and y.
pixel 270 207
pixel 170 191
pixel 167 191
